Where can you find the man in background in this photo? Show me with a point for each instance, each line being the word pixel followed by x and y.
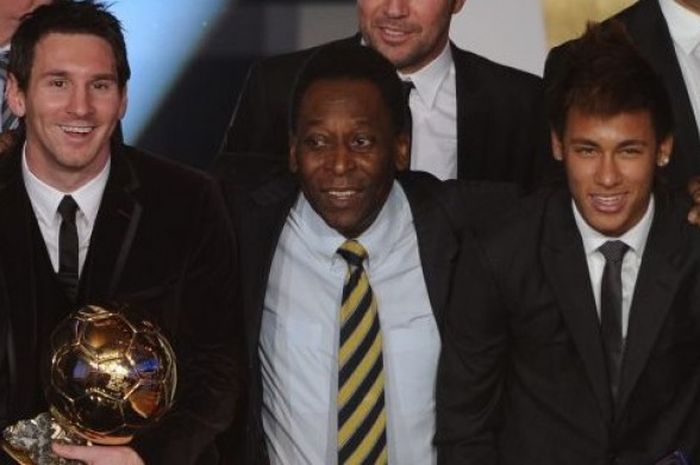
pixel 470 118
pixel 11 13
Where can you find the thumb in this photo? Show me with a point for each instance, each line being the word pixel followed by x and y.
pixel 69 451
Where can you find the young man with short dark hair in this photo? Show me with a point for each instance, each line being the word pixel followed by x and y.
pixel 573 332
pixel 88 220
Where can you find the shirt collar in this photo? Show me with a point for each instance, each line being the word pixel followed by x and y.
pixel 429 79
pixel 378 240
pixel 635 237
pixel 45 198
pixel 683 24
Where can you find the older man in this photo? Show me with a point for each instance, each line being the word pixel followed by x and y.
pixel 346 270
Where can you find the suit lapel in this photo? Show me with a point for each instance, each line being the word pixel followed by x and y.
pixel 471 112
pixel 114 231
pixel 567 271
pixel 437 245
pixel 655 289
pixel 260 232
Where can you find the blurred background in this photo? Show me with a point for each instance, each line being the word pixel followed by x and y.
pixel 189 58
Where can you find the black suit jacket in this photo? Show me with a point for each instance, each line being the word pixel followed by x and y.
pixel 522 377
pixel 161 243
pixel 501 130
pixel 647 27
pixel 440 211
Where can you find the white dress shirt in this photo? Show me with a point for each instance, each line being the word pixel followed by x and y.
pixel 433 105
pixel 684 26
pixel 45 200
pixel 300 333
pixel 635 238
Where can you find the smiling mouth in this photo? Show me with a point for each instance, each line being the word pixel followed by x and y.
pixel 394 32
pixel 79 130
pixel 342 194
pixel 608 203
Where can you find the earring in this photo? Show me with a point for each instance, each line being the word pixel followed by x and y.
pixel 663 161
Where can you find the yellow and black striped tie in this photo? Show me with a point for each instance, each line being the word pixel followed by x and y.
pixel 361 412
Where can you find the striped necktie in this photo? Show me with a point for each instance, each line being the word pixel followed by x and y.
pixel 8 119
pixel 361 411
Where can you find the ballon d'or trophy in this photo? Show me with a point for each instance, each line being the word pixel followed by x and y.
pixel 111 374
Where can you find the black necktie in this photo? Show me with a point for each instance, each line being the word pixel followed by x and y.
pixel 611 310
pixel 408 86
pixel 68 247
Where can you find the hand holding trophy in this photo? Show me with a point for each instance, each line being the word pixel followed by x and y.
pixel 110 375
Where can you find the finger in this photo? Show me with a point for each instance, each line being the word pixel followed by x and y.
pixel 68 451
pixel 694 185
pixel 694 215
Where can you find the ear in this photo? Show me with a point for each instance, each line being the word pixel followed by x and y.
pixel 457 6
pixel 293 167
pixel 124 102
pixel 663 155
pixel 557 147
pixel 16 99
pixel 402 155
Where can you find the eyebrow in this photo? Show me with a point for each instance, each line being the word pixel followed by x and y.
pixel 624 143
pixel 358 121
pixel 96 77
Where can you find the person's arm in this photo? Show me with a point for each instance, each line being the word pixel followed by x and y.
pixel 209 344
pixel 472 364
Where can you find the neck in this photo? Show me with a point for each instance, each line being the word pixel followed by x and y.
pixel 61 178
pixel 415 67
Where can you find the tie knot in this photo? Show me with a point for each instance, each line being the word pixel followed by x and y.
pixel 67 208
pixel 352 252
pixel 613 251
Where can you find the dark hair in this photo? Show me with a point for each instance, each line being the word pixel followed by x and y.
pixel 340 60
pixel 67 17
pixel 604 74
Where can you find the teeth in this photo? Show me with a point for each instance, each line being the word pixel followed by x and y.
pixel 341 194
pixel 608 199
pixel 394 32
pixel 77 129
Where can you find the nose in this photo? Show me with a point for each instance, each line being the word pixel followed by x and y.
pixel 341 160
pixel 607 172
pixel 80 103
pixel 397 8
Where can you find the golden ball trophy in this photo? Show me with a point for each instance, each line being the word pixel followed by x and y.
pixel 111 373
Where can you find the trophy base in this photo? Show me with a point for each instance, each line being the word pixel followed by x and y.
pixel 17 455
pixel 29 441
